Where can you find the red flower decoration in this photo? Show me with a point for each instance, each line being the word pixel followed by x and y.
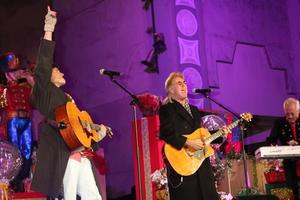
pixel 149 104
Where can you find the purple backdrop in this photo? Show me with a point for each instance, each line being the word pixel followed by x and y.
pixel 247 50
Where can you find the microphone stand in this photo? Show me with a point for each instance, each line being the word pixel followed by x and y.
pixel 242 138
pixel 134 102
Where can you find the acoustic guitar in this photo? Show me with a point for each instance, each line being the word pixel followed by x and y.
pixel 78 128
pixel 187 161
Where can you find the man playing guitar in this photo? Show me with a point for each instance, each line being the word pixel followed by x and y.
pixel 59 170
pixel 179 118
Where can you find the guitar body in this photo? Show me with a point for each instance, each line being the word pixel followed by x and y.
pixel 185 161
pixel 75 135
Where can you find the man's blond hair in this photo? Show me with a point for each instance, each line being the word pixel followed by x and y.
pixel 168 84
pixel 291 101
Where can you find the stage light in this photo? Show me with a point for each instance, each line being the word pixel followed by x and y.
pixel 159 47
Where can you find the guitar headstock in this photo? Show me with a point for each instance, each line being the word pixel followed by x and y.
pixel 109 131
pixel 246 116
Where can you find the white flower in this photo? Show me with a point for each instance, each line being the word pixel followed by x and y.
pixel 159 177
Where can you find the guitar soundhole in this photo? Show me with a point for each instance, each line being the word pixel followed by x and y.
pixel 88 134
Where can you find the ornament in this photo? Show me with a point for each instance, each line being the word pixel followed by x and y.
pixel 213 122
pixel 10 161
pixel 10 165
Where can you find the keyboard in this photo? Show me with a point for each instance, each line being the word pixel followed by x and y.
pixel 274 152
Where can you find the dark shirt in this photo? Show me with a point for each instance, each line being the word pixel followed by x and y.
pixel 52 154
pixel 282 132
pixel 175 121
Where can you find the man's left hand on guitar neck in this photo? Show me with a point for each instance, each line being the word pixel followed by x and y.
pixel 225 130
pixel 103 131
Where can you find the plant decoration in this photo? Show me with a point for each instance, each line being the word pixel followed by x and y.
pixel 283 193
pixel 149 104
pixel 233 155
pixel 218 166
pixel 248 191
pixel 221 161
pixel 159 178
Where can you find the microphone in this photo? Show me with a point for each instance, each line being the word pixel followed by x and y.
pixel 202 91
pixel 109 73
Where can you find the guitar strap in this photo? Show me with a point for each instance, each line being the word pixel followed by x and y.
pixel 70 97
pixel 55 124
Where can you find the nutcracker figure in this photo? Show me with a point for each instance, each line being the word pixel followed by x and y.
pixel 15 92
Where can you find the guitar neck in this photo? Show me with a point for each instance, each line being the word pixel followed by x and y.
pixel 220 133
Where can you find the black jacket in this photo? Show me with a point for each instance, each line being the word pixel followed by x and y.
pixel 282 132
pixel 53 153
pixel 175 122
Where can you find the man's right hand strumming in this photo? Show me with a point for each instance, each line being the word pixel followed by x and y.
pixel 195 144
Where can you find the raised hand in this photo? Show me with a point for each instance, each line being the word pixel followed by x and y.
pixel 50 20
pixel 51 12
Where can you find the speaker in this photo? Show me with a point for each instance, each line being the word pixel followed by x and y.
pixel 257 197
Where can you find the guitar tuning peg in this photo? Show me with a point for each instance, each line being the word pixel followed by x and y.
pixel 109 131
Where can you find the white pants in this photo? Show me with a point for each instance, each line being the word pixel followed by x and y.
pixel 79 179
